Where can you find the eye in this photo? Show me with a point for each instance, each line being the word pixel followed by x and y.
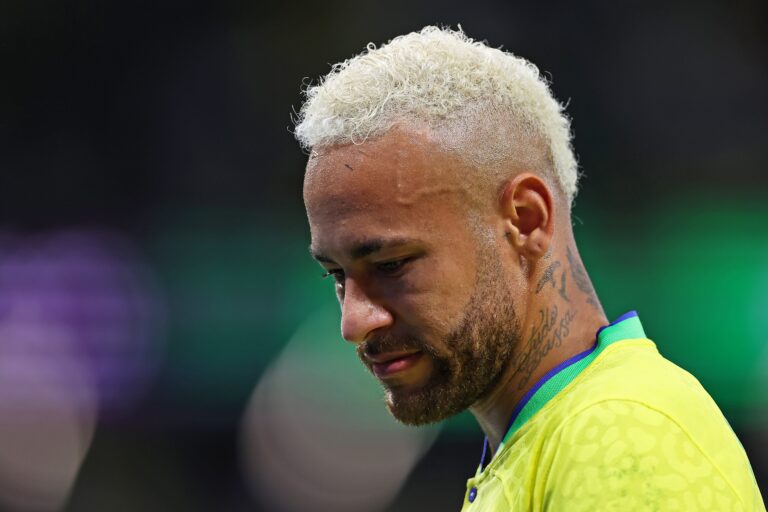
pixel 336 273
pixel 391 267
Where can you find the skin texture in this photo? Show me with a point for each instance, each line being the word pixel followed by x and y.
pixel 482 288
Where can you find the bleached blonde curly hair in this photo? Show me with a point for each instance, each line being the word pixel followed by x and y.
pixel 436 75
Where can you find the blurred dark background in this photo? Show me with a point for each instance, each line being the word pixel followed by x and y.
pixel 165 340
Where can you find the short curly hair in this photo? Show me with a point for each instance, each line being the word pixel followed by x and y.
pixel 433 75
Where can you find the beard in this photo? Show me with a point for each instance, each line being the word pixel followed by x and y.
pixel 474 357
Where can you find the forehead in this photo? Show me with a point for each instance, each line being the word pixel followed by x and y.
pixel 403 181
pixel 408 160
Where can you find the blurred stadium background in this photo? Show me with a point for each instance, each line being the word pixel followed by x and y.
pixel 165 340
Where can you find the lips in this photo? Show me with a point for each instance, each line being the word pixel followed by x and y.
pixel 391 363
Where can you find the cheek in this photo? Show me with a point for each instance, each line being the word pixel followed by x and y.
pixel 455 282
pixel 516 272
pixel 436 299
pixel 424 315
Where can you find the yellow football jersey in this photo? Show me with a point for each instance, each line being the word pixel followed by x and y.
pixel 617 428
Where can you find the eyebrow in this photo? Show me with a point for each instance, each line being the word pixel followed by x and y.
pixel 365 248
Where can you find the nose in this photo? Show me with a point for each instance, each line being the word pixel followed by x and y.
pixel 360 315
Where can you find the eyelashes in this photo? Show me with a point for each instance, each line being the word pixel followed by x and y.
pixel 392 268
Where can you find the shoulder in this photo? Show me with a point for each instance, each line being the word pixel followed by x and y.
pixel 633 373
pixel 603 431
pixel 633 420
pixel 622 452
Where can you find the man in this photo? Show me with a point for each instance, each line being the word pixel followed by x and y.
pixel 438 192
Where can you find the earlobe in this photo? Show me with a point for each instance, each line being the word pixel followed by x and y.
pixel 526 205
pixel 538 243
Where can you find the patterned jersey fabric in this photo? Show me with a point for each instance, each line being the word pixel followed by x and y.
pixel 617 428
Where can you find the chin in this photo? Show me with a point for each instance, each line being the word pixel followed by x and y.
pixel 420 407
pixel 414 418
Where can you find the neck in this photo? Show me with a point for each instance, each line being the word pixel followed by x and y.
pixel 563 316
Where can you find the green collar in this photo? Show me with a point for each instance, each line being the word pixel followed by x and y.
pixel 627 326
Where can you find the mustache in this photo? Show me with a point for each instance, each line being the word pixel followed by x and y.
pixel 389 343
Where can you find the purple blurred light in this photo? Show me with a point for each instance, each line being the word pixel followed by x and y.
pixel 79 301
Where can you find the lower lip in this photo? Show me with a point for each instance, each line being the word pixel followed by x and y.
pixel 396 365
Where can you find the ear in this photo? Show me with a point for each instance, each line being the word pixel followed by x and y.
pixel 526 208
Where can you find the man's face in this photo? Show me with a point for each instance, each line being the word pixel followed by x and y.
pixel 419 275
